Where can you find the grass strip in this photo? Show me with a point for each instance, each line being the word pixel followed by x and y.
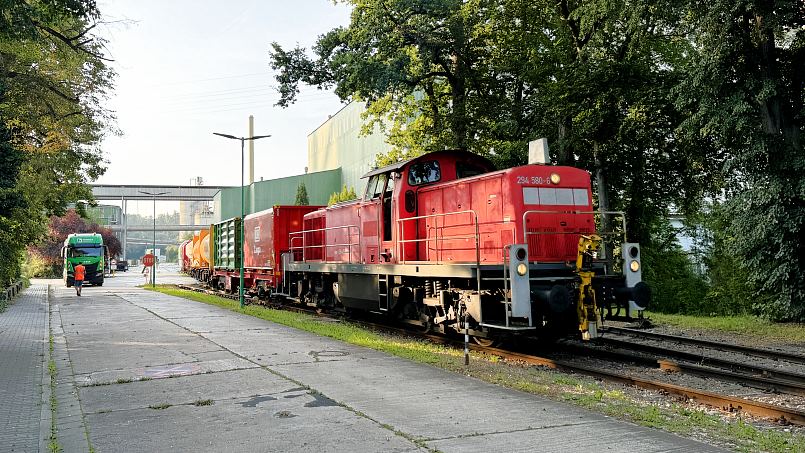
pixel 580 390
pixel 751 326
pixel 53 444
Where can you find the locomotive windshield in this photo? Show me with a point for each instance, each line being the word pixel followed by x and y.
pixel 375 187
pixel 424 173
pixel 547 196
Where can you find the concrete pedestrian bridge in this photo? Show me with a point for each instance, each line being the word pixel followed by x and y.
pixel 136 192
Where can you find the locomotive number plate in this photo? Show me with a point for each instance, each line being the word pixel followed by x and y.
pixel 530 180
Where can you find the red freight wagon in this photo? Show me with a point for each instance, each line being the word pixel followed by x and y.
pixel 267 235
pixel 184 256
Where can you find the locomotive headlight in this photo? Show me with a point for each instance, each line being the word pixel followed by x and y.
pixel 634 266
pixel 555 178
pixel 522 269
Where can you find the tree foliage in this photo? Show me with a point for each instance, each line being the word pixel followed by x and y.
pixel 346 194
pixel 59 227
pixel 53 81
pixel 744 90
pixel 594 77
pixel 301 195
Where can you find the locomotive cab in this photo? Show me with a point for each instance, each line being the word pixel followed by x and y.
pixel 392 193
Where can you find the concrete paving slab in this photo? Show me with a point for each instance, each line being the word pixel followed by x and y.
pixel 162 371
pixel 275 425
pixel 184 390
pixel 614 438
pixel 428 402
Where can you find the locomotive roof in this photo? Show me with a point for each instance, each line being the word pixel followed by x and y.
pixel 398 165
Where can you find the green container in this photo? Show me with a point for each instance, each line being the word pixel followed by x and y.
pixel 227 250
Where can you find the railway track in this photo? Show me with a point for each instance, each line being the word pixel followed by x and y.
pixel 731 404
pixel 759 352
pixel 791 383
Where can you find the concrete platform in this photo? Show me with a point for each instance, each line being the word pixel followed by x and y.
pixel 156 373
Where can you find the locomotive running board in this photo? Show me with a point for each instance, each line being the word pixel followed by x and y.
pixel 409 270
pixel 496 326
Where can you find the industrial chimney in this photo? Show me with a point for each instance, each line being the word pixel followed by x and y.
pixel 251 150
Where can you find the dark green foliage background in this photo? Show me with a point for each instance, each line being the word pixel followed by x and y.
pixel 668 104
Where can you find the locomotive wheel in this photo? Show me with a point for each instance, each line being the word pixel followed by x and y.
pixel 484 342
pixel 427 324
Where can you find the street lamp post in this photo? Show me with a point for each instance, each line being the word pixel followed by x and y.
pixel 242 201
pixel 154 249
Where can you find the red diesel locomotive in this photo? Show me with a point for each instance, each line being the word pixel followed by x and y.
pixel 445 242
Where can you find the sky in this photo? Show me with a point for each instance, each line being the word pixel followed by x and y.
pixel 187 69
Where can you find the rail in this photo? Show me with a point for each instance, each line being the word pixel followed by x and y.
pixel 301 235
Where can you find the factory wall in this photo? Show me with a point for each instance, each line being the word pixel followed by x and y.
pixel 338 143
pixel 264 194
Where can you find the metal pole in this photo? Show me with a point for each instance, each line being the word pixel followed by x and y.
pixel 154 250
pixel 242 209
pixel 242 199
pixel 125 229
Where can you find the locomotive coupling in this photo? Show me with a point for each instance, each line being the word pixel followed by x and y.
pixel 555 299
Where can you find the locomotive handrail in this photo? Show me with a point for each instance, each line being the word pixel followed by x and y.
pixel 401 241
pixel 324 245
pixel 474 221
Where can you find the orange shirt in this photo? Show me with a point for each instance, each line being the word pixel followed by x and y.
pixel 79 272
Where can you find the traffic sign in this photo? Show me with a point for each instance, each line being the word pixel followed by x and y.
pixel 148 260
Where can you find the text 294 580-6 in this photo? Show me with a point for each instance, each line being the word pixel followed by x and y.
pixel 530 180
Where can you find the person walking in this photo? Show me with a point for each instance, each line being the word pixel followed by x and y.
pixel 78 277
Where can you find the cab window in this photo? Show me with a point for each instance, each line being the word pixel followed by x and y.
pixel 375 187
pixel 424 173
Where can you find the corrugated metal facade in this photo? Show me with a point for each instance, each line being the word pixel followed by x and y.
pixel 338 143
pixel 265 194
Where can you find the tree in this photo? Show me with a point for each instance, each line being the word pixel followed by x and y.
pixel 301 195
pixel 743 89
pixel 59 227
pixel 594 77
pixel 53 83
pixel 414 62
pixel 346 194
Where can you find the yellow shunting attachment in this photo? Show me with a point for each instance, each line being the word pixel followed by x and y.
pixel 586 309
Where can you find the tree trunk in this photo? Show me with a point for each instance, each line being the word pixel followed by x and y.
pixel 564 152
pixel 603 200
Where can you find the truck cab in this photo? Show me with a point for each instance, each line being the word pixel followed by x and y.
pixel 86 249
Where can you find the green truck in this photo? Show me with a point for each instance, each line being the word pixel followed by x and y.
pixel 86 249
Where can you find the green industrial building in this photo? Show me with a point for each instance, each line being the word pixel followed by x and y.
pixel 338 143
pixel 262 195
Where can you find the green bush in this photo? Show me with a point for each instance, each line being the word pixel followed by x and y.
pixel 675 287
pixel 346 194
pixel 36 267
pixel 730 284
